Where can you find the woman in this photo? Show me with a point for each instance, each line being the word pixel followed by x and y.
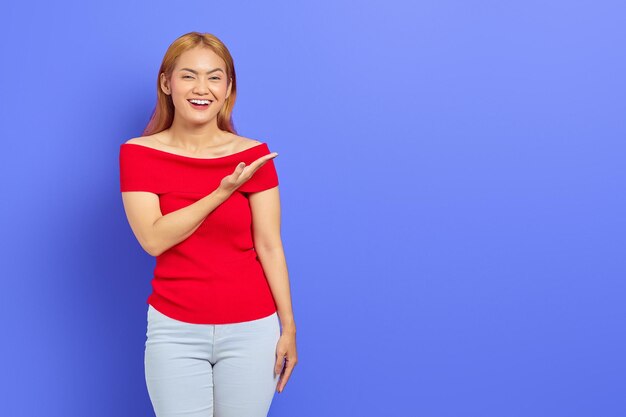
pixel 204 201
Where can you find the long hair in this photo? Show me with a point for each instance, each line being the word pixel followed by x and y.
pixel 163 114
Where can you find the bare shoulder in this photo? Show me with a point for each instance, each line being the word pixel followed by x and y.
pixel 134 141
pixel 243 143
pixel 143 140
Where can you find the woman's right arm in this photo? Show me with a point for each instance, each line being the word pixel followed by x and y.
pixel 157 233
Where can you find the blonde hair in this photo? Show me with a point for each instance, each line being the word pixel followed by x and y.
pixel 163 114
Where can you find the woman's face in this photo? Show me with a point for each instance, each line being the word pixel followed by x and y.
pixel 199 74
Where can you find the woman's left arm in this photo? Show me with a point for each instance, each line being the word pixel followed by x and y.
pixel 265 207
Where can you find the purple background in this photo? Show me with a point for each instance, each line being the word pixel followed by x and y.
pixel 452 179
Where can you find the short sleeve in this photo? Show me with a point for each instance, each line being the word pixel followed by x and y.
pixel 136 172
pixel 263 179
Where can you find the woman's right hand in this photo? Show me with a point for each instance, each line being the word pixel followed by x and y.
pixel 243 173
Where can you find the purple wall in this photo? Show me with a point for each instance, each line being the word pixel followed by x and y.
pixel 452 180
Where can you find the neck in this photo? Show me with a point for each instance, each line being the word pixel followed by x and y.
pixel 193 136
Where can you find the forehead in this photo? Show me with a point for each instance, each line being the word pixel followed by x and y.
pixel 201 59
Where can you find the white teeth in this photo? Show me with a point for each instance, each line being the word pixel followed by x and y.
pixel 200 101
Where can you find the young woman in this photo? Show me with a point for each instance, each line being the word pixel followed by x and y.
pixel 204 201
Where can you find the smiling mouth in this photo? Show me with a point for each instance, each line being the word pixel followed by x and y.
pixel 200 104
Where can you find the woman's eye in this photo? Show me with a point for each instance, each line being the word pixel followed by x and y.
pixel 187 76
pixel 215 78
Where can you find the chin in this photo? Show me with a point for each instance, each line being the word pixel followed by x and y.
pixel 201 121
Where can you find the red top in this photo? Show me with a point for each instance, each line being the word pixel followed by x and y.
pixel 214 276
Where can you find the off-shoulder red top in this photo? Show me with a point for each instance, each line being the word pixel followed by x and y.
pixel 214 276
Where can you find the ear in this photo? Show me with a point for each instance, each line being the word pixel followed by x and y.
pixel 165 84
pixel 230 85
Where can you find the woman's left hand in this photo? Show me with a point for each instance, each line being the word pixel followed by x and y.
pixel 285 352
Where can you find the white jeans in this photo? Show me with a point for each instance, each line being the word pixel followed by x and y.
pixel 206 370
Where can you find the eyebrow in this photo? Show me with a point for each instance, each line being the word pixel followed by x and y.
pixel 196 72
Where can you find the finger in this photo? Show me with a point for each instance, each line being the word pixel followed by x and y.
pixel 245 172
pixel 278 367
pixel 262 160
pixel 240 167
pixel 286 375
pixel 281 382
pixel 238 170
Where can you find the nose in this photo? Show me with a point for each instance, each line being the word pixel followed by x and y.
pixel 201 86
